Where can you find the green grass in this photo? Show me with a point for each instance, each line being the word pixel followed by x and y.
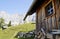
pixel 13 30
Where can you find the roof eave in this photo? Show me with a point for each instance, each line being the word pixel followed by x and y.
pixel 34 7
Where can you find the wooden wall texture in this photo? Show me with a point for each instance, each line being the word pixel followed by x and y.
pixel 50 22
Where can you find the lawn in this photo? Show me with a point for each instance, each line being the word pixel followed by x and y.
pixel 13 30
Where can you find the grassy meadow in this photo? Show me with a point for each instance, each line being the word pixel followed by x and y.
pixel 13 30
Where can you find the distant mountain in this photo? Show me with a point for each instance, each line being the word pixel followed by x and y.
pixel 16 18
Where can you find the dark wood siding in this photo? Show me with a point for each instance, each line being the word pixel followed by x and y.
pixel 50 22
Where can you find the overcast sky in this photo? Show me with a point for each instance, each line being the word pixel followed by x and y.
pixel 15 6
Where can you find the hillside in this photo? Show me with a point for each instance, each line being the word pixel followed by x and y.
pixel 13 30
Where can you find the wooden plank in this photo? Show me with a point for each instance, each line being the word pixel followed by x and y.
pixel 36 21
pixel 57 12
pixel 53 22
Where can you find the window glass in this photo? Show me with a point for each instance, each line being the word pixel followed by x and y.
pixel 49 9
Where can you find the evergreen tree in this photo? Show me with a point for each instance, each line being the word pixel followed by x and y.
pixel 1 22
pixel 9 23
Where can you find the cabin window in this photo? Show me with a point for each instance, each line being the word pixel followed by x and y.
pixel 49 9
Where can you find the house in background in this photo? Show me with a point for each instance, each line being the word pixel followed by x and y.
pixel 47 14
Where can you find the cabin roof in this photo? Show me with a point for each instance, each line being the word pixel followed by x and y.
pixel 34 7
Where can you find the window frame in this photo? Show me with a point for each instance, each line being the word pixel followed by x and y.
pixel 46 11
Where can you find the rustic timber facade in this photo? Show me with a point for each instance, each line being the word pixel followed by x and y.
pixel 44 18
pixel 47 14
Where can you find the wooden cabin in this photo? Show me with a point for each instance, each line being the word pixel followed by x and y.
pixel 47 14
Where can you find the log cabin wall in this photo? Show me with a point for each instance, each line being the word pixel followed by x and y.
pixel 48 22
pixel 57 4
